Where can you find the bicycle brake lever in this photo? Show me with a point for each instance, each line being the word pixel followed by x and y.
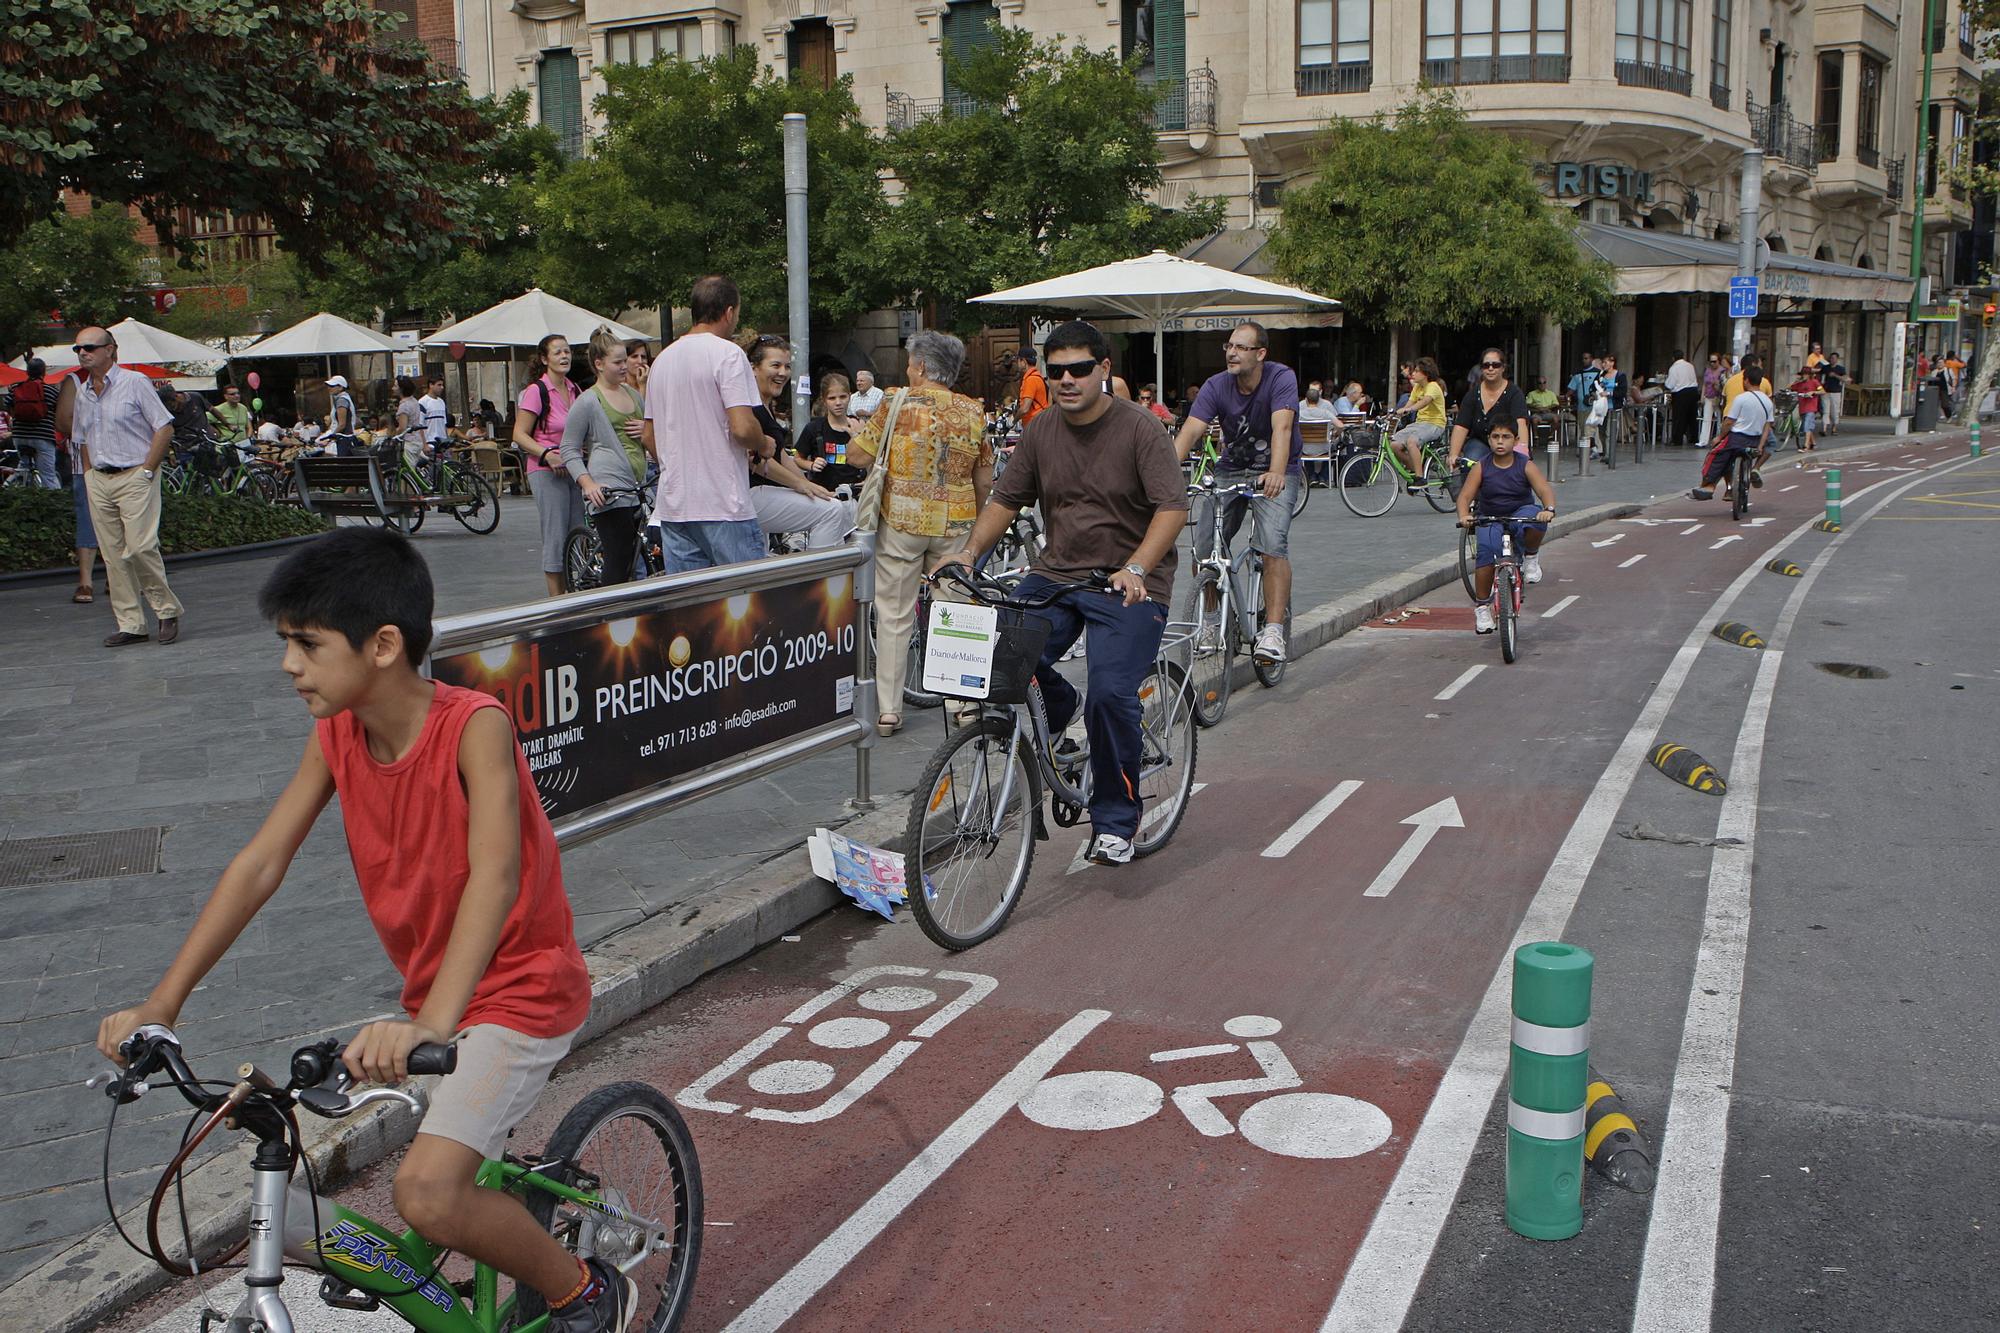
pixel 335 1105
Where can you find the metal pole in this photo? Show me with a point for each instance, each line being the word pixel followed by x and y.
pixel 1746 232
pixel 865 708
pixel 795 270
pixel 1924 184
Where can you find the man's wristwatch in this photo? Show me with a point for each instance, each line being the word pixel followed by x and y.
pixel 1138 570
pixel 146 472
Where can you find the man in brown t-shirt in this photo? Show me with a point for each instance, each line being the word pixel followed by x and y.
pixel 1112 497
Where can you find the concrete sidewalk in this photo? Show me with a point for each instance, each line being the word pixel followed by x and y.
pixel 196 739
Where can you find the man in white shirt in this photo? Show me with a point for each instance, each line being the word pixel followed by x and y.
pixel 861 404
pixel 1315 407
pixel 435 411
pixel 124 430
pixel 1684 383
pixel 1745 429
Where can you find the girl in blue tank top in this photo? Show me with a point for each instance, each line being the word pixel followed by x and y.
pixel 1505 485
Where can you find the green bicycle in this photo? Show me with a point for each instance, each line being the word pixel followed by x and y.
pixel 1789 431
pixel 450 485
pixel 1371 480
pixel 618 1182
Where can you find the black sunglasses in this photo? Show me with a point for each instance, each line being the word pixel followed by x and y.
pixel 1492 365
pixel 1076 370
pixel 81 348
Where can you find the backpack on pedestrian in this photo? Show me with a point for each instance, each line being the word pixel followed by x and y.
pixel 31 403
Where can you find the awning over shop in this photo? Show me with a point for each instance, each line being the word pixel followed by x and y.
pixel 1657 263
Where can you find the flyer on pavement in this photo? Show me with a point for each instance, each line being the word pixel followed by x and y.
pixel 869 875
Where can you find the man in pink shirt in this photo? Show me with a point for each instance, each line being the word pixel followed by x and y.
pixel 700 426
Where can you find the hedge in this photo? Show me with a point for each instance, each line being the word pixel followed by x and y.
pixel 38 527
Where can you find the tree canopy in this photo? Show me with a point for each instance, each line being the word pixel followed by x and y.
pixel 1041 167
pixel 1422 219
pixel 85 267
pixel 310 113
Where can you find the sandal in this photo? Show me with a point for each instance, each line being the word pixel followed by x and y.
pixel 81 595
pixel 889 723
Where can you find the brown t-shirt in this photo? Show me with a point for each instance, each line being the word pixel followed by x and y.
pixel 1099 487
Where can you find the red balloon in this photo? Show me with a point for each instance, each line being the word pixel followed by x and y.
pixel 457 351
pixel 252 379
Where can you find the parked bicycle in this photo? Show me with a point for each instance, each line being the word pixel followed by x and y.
pixel 977 812
pixel 448 484
pixel 619 1182
pixel 1223 609
pixel 1371 480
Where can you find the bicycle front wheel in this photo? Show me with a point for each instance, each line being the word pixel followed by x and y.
pixel 1208 677
pixel 1166 755
pixel 583 560
pixel 480 514
pixel 1368 485
pixel 971 835
pixel 1506 609
pixel 627 1146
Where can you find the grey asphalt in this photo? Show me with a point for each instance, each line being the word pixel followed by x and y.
pixel 198 737
pixel 1863 1152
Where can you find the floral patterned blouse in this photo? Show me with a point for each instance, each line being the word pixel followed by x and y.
pixel 940 439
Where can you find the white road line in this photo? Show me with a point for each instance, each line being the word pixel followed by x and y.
pixel 1382 1279
pixel 1782 489
pixel 1689 532
pixel 1560 607
pixel 1732 537
pixel 1465 678
pixel 1677 1277
pixel 1303 826
pixel 789 1294
pixel 1633 561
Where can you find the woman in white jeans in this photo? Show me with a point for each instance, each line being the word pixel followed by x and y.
pixel 786 499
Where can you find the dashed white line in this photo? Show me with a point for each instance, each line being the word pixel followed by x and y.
pixel 1465 678
pixel 1633 561
pixel 1782 489
pixel 1303 826
pixel 1689 532
pixel 1559 607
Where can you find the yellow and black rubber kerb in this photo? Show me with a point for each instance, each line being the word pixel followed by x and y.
pixel 1785 567
pixel 1688 768
pixel 1740 635
pixel 1826 525
pixel 1612 1142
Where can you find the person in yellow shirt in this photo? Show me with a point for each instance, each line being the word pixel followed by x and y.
pixel 1426 412
pixel 1732 388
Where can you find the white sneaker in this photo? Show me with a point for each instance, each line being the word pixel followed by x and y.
pixel 1075 651
pixel 1532 568
pixel 1270 645
pixel 1108 849
pixel 1482 619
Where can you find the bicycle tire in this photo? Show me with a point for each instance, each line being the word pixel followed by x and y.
pixel 1739 490
pixel 1505 602
pixel 1438 490
pixel 583 560
pixel 1208 677
pixel 1270 673
pixel 949 909
pixel 1166 719
pixel 1305 495
pixel 1468 561
pixel 482 514
pixel 670 1283
pixel 1368 484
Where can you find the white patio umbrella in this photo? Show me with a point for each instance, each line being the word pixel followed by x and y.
pixel 146 345
pixel 321 335
pixel 526 320
pixel 1156 287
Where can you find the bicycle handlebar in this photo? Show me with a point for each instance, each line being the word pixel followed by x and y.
pixel 315 1069
pixel 992 592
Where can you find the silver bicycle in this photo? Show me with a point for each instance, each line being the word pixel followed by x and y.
pixel 1224 607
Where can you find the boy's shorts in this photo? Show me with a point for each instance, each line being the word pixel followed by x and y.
pixel 500 1074
pixel 1810 421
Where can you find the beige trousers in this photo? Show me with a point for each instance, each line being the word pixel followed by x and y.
pixel 125 508
pixel 901 561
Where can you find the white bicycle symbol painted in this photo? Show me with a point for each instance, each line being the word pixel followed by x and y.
pixel 1313 1125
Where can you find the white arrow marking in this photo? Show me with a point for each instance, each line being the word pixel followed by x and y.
pixel 1689 532
pixel 1082 861
pixel 1428 821
pixel 1559 607
pixel 1733 537
pixel 1451 691
pixel 1759 522
pixel 1627 564
pixel 1303 826
pixel 1612 540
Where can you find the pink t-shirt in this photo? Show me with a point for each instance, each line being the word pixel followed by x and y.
pixel 551 433
pixel 694 383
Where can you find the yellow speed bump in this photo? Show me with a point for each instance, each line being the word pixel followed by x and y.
pixel 1785 567
pixel 1612 1142
pixel 1825 525
pixel 1740 635
pixel 1688 768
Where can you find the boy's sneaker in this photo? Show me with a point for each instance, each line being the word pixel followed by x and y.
pixel 1699 494
pixel 607 1304
pixel 1756 477
pixel 1531 568
pixel 1108 849
pixel 1270 645
pixel 1482 619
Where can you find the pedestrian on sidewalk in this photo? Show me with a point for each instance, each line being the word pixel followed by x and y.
pixel 1685 386
pixel 436 413
pixel 599 454
pixel 929 445
pixel 540 414
pixel 785 498
pixel 823 445
pixel 1711 395
pixel 1832 393
pixel 867 398
pixel 124 430
pixel 231 417
pixel 1807 387
pixel 701 425
pixel 86 533
pixel 32 418
pixel 1032 397
pixel 343 421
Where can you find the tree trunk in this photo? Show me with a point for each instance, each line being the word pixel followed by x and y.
pixel 1395 360
pixel 1979 383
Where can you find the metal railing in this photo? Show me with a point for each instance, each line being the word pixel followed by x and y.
pixel 1893 169
pixel 448 54
pixel 1718 96
pixel 1498 69
pixel 1186 104
pixel 1784 139
pixel 1353 76
pixel 905 111
pixel 1663 78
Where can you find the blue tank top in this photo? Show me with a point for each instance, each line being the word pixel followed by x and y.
pixel 1504 490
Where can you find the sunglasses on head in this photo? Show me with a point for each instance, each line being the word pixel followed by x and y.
pixel 1078 370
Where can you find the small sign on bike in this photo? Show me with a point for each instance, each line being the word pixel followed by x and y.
pixel 1743 296
pixel 958 649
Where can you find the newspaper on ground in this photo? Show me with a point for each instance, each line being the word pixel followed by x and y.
pixel 869 875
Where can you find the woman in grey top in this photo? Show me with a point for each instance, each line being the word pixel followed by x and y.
pixel 595 453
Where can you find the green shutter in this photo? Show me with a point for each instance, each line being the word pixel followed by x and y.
pixel 1170 62
pixel 562 99
pixel 966 29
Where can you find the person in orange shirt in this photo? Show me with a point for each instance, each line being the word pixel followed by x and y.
pixel 1033 394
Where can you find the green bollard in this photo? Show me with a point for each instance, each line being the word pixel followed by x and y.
pixel 1833 495
pixel 1975 437
pixel 1549 1072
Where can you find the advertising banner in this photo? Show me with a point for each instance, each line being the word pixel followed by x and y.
pixel 609 709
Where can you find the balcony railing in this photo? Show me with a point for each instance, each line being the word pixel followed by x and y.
pixel 905 112
pixel 1784 139
pixel 1664 78
pixel 448 53
pixel 1186 105
pixel 1826 142
pixel 1893 169
pixel 1353 76
pixel 1868 155
pixel 1718 96
pixel 1498 69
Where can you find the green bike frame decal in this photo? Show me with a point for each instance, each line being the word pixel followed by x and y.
pixel 350 1247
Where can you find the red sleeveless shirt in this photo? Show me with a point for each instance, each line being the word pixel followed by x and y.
pixel 407 825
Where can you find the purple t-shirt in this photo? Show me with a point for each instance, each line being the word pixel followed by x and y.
pixel 1250 417
pixel 703 473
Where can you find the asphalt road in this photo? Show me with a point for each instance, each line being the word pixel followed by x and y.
pixel 1256 1080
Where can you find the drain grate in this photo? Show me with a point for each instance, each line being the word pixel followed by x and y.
pixel 130 851
pixel 1853 670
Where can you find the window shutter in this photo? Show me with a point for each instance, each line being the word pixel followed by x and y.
pixel 562 99
pixel 965 28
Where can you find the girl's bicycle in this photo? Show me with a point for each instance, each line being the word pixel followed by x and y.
pixel 977 812
pixel 618 1182
pixel 1371 480
pixel 1224 609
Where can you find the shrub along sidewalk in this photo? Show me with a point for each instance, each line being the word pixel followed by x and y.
pixel 38 527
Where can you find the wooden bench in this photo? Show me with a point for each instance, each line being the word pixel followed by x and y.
pixel 352 486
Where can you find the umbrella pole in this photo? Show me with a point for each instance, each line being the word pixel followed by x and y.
pixel 1160 361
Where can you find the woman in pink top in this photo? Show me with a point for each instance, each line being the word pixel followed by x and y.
pixel 539 416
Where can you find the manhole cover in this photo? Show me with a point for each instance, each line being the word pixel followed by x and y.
pixel 1853 670
pixel 131 851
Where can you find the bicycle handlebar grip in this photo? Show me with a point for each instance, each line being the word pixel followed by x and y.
pixel 434 1058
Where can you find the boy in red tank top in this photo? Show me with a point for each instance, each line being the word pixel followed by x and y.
pixel 459 873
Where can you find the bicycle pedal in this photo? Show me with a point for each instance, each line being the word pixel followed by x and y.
pixel 340 1296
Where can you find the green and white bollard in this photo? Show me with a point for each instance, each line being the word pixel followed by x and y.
pixel 1549 1072
pixel 1975 437
pixel 1833 495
